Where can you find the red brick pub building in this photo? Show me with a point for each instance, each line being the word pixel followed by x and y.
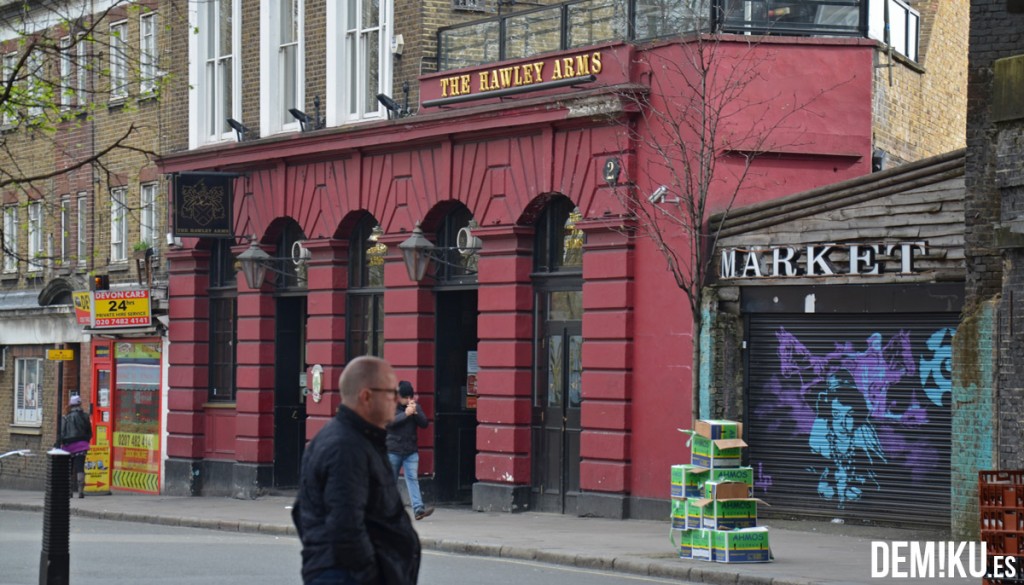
pixel 554 364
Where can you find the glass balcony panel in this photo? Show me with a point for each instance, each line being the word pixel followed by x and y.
pixel 661 18
pixel 533 33
pixel 596 21
pixel 467 46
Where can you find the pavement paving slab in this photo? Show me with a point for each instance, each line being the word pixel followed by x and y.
pixel 805 553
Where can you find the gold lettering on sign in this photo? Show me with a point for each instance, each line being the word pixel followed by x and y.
pixel 523 74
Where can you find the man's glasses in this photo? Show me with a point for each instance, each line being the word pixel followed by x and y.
pixel 393 391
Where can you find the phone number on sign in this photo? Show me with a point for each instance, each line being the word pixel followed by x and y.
pixel 123 321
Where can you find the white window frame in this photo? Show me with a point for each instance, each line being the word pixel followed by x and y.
pixel 339 54
pixel 148 55
pixel 10 250
pixel 82 70
pixel 118 224
pixel 67 71
pixel 10 117
pixel 274 101
pixel 65 229
pixel 147 214
pixel 35 73
pixel 202 117
pixel 28 392
pixel 35 237
pixel 118 60
pixel 80 227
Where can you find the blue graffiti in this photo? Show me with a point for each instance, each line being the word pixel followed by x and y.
pixel 843 397
pixel 937 369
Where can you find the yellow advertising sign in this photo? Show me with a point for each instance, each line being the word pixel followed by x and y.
pixel 60 355
pixel 83 306
pixel 136 441
pixel 121 308
pixel 97 469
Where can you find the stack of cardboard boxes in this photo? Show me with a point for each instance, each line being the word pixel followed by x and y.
pixel 714 517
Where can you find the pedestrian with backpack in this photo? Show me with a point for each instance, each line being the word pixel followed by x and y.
pixel 75 434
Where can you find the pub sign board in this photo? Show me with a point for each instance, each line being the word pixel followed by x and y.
pixel 203 204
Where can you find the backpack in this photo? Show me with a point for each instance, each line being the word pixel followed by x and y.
pixel 76 427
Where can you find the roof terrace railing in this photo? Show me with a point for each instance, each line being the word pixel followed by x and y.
pixel 581 23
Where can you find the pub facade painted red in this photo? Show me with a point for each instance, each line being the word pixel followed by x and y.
pixel 555 369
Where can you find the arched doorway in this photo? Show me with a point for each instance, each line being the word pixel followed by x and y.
pixel 455 365
pixel 558 345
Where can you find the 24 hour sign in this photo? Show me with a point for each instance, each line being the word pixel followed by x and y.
pixel 121 308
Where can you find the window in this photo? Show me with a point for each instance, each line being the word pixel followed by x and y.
pixel 282 81
pixel 28 392
pixel 147 215
pixel 559 243
pixel 359 61
pixel 365 319
pixel 895 23
pixel 35 236
pixel 118 60
pixel 214 76
pixel 67 70
pixel 10 238
pixel 80 226
pixel 223 319
pixel 82 70
pixel 118 224
pixel 36 75
pixel 147 53
pixel 65 229
pixel 10 107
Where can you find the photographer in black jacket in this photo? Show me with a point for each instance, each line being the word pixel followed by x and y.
pixel 402 445
pixel 348 513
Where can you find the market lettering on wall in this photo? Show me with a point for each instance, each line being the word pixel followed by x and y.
pixel 521 75
pixel 820 260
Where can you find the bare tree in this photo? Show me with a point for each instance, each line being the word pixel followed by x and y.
pixel 70 83
pixel 700 130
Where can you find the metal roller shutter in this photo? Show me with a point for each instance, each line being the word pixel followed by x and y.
pixel 848 416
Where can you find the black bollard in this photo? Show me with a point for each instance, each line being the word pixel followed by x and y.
pixel 54 561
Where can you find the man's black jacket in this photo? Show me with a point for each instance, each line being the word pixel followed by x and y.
pixel 348 512
pixel 402 431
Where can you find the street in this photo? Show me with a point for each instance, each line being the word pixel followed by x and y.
pixel 105 552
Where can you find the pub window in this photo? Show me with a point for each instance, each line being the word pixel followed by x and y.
pixel 366 290
pixel 223 322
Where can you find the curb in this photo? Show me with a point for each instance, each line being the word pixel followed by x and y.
pixel 628 564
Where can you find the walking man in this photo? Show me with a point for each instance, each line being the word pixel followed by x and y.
pixel 348 512
pixel 402 448
pixel 75 434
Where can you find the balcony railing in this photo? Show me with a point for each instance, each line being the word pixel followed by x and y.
pixel 581 23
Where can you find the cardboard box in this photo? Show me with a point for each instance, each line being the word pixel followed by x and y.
pixel 700 544
pixel 685 538
pixel 714 453
pixel 727 514
pixel 740 474
pixel 749 545
pixel 719 429
pixel 726 490
pixel 688 481
pixel 678 515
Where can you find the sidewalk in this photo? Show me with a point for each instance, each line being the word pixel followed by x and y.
pixel 805 552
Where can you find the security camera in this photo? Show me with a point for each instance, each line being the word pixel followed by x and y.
pixel 658 195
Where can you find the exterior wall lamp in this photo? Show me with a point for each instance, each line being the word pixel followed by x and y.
pixel 418 251
pixel 256 263
pixel 305 121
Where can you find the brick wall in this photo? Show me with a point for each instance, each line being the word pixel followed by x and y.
pixel 919 110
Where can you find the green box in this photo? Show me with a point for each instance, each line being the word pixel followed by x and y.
pixel 687 481
pixel 726 490
pixel 700 544
pixel 679 513
pixel 728 514
pixel 719 429
pixel 685 543
pixel 694 515
pixel 749 545
pixel 715 453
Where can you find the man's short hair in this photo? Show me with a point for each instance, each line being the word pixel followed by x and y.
pixel 362 372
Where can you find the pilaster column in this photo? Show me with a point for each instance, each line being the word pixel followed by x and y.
pixel 254 381
pixel 325 325
pixel 505 358
pixel 606 415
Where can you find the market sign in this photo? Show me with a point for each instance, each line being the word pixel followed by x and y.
pixel 121 308
pixel 856 259
pixel 83 306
